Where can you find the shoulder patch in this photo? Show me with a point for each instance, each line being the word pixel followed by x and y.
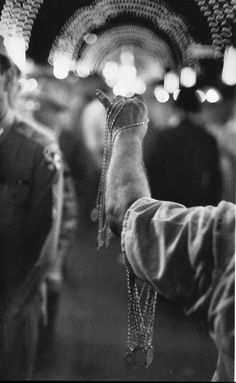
pixel 52 156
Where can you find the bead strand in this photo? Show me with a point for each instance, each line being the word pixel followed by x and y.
pixel 128 127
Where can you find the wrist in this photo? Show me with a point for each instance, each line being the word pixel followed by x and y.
pixel 133 132
pixel 126 140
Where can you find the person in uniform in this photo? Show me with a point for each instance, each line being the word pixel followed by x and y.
pixel 186 254
pixel 30 185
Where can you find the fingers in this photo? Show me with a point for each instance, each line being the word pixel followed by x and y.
pixel 137 97
pixel 111 105
pixel 105 100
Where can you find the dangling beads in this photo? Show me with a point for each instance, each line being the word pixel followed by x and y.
pixel 140 323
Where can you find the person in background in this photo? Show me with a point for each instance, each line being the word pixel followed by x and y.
pixel 184 163
pixel 92 122
pixel 50 114
pixel 186 254
pixel 31 180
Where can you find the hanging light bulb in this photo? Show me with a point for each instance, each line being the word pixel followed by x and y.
pixel 171 82
pixel 229 67
pixel 126 80
pixel 188 77
pixel 140 86
pixel 127 57
pixel 61 67
pixel 82 69
pixel 213 95
pixel 161 94
pixel 110 73
pixel 15 47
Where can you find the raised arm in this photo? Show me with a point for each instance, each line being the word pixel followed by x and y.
pixel 126 180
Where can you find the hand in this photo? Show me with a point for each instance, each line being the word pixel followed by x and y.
pixel 122 112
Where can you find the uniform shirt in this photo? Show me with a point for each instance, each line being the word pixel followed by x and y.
pixel 188 256
pixel 30 177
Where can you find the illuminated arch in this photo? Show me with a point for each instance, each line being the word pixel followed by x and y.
pixel 110 42
pixel 95 17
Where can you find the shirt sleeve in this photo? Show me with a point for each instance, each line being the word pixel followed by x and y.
pixel 171 247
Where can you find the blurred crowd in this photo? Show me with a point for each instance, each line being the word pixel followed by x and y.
pixel 189 152
pixel 72 111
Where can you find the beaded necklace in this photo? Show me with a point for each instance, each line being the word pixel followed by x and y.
pixel 141 300
pixel 141 316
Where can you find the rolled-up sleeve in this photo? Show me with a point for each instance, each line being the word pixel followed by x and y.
pixel 172 248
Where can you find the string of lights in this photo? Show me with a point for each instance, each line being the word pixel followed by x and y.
pixel 157 13
pixel 95 55
pixel 17 19
pixel 220 15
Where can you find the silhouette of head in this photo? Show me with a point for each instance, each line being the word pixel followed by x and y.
pixel 188 101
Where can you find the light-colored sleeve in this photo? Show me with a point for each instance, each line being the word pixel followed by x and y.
pixel 172 247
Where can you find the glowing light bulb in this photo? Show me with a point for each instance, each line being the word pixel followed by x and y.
pixel 61 67
pixel 29 66
pixel 15 47
pixel 127 73
pixel 213 96
pixel 126 81
pixel 139 86
pixel 188 77
pixel 82 69
pixel 126 57
pixel 110 73
pixel 171 82
pixel 161 94
pixel 229 67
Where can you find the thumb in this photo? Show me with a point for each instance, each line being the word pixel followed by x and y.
pixel 105 100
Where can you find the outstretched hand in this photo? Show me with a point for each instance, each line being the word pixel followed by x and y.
pixel 122 112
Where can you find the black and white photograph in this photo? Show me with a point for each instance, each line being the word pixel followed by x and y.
pixel 117 190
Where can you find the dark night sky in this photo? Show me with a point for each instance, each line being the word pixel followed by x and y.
pixel 50 19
